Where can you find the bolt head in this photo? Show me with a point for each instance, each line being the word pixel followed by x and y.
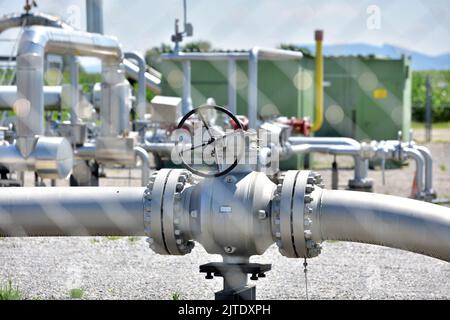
pixel 262 214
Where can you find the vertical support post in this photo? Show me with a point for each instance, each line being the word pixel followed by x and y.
pixel 94 16
pixel 232 104
pixel 428 110
pixel 74 80
pixel 252 90
pixel 187 100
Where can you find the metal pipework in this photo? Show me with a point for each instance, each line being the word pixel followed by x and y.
pixel 242 214
pixel 335 146
pixel 429 191
pixel 51 158
pixel 83 211
pixel 145 164
pixel 138 72
pixel 237 216
pixel 94 16
pixel 318 116
pixel 52 97
pixel 268 54
pixel 420 165
pixel 88 152
pixel 253 56
pixel 152 77
pixel 34 43
pixel 18 20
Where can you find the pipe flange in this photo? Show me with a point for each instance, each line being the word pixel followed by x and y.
pixel 184 179
pixel 163 212
pixel 292 214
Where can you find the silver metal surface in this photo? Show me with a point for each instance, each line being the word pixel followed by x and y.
pixel 145 164
pixel 82 211
pixel 384 220
pixel 51 158
pixel 152 77
pixel 141 99
pixel 94 16
pixel 8 97
pixel 35 41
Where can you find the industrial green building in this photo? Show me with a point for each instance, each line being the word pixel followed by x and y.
pixel 366 98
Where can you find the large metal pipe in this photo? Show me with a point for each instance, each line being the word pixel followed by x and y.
pixel 34 43
pixel 385 220
pixel 80 211
pixel 8 97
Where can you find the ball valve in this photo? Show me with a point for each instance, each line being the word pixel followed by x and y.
pixel 238 212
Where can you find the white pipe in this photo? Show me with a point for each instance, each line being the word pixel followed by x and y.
pixel 34 43
pixel 385 220
pixel 152 78
pixel 232 104
pixel 8 97
pixel 253 56
pixel 141 96
pixel 428 169
pixel 80 211
pixel 74 94
pixel 324 140
pixel 267 54
pixel 94 16
pixel 187 98
pixel 420 165
pixel 17 20
pixel 145 164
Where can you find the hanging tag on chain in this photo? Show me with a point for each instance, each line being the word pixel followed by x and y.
pixel 305 270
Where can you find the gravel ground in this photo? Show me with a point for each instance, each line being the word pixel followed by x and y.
pixel 124 268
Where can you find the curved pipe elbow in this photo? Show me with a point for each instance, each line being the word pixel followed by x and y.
pixel 143 155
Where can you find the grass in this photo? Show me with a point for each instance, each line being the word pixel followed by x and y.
pixel 443 167
pixel 133 239
pixel 113 238
pixel 437 125
pixel 8 292
pixel 332 241
pixel 176 296
pixel 94 241
pixel 76 293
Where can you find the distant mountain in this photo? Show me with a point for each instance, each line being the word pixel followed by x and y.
pixel 420 61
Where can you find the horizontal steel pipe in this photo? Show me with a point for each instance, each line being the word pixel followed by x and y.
pixel 80 211
pixel 52 97
pixel 384 220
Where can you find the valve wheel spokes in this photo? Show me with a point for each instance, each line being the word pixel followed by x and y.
pixel 214 139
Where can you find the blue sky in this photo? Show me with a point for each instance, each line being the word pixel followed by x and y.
pixel 235 24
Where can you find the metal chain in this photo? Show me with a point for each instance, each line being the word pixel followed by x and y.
pixel 305 270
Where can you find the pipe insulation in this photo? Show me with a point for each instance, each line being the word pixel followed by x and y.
pixel 34 43
pixel 84 211
pixel 384 220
